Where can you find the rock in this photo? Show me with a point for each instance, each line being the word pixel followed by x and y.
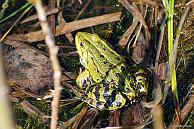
pixel 28 69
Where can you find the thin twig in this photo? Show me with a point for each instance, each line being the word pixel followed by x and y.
pixel 14 24
pixel 83 9
pixel 62 21
pixel 159 47
pixel 33 111
pixel 34 17
pixel 175 46
pixel 49 39
pixel 124 40
pixel 136 13
pixel 74 119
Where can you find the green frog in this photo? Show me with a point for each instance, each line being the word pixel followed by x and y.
pixel 108 81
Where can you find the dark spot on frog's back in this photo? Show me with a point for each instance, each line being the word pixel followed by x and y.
pixel 104 83
pixel 122 68
pixel 110 66
pixel 113 97
pixel 122 83
pixel 118 74
pixel 128 90
pixel 117 58
pixel 106 105
pixel 97 88
pixel 104 48
pixel 129 77
pixel 98 104
pixel 97 92
pixel 105 62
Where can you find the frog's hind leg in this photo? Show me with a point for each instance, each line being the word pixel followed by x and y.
pixel 104 97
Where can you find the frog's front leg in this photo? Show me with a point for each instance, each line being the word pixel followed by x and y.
pixel 84 80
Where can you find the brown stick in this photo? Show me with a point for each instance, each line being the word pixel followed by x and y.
pixel 66 28
pixel 184 112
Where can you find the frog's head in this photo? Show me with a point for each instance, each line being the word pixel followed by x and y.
pixel 84 43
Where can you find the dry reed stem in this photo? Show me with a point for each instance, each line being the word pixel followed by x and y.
pixel 67 28
pixel 50 41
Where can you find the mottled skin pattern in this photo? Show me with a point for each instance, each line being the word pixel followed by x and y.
pixel 28 69
pixel 107 80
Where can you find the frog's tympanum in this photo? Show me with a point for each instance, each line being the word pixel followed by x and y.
pixel 108 81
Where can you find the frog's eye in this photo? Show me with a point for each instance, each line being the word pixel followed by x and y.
pixel 101 56
pixel 81 44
